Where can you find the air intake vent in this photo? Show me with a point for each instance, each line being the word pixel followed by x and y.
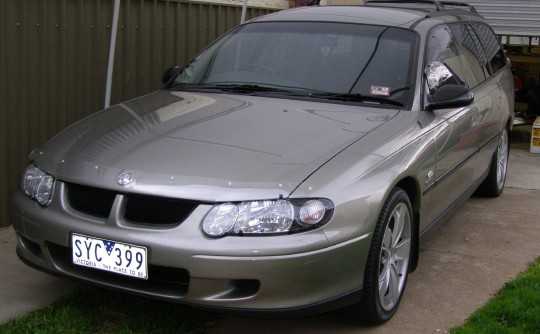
pixel 157 211
pixel 92 201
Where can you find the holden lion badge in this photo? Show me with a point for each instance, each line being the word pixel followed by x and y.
pixel 124 178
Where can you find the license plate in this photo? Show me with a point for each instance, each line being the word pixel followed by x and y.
pixel 109 255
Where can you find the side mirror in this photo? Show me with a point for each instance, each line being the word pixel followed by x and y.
pixel 450 96
pixel 171 73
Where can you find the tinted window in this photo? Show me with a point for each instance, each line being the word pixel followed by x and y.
pixel 494 53
pixel 474 57
pixel 443 64
pixel 324 57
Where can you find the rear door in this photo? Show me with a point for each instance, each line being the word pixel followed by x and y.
pixel 492 120
pixel 487 68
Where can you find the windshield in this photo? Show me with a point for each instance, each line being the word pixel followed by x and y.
pixel 342 60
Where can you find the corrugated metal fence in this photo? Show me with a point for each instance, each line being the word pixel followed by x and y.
pixel 510 17
pixel 53 63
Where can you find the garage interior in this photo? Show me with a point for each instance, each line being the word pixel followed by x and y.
pixel 525 61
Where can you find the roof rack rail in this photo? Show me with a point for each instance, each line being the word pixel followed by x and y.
pixel 439 5
pixel 459 4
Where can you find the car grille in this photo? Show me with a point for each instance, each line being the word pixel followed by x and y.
pixel 92 201
pixel 139 209
pixel 147 210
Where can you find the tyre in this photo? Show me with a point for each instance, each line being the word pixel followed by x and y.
pixel 387 266
pixel 494 183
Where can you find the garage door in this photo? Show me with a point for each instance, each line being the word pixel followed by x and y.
pixel 511 17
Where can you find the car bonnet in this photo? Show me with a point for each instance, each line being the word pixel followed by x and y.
pixel 208 147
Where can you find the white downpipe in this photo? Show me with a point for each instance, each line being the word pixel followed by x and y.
pixel 112 49
pixel 244 8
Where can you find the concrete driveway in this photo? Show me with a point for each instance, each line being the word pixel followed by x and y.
pixel 487 243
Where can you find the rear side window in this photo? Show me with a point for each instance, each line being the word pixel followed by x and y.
pixel 474 57
pixel 494 53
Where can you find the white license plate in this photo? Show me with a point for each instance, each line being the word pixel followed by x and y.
pixel 109 255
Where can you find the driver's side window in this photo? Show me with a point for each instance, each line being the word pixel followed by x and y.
pixel 443 65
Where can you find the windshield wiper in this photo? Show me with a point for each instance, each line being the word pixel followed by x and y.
pixel 194 87
pixel 355 98
pixel 255 88
pixel 238 88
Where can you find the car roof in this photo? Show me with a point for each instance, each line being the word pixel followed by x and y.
pixel 397 14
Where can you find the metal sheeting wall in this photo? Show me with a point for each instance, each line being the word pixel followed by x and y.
pixel 510 17
pixel 53 63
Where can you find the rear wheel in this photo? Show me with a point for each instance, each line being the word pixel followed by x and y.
pixel 388 261
pixel 494 183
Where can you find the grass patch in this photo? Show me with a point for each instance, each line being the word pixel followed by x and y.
pixel 94 310
pixel 515 309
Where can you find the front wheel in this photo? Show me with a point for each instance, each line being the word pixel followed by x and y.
pixel 387 266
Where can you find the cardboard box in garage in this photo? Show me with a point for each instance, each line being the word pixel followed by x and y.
pixel 535 136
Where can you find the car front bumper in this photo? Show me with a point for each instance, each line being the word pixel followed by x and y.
pixel 287 274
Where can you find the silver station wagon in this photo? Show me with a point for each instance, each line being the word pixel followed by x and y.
pixel 292 167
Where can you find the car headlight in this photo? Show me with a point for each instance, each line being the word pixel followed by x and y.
pixel 38 185
pixel 267 217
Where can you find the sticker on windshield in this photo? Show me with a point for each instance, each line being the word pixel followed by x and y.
pixel 379 90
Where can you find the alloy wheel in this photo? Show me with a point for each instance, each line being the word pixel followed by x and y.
pixel 394 257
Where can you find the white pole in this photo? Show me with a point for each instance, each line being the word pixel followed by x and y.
pixel 112 49
pixel 244 7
